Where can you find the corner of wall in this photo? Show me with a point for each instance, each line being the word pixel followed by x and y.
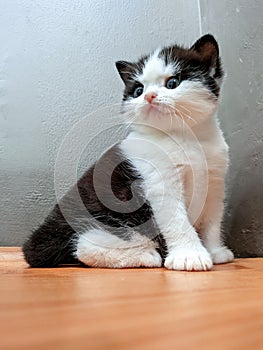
pixel 199 17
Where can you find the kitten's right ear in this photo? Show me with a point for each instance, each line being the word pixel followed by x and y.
pixel 125 70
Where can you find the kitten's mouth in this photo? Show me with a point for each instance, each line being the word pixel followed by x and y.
pixel 152 107
pixel 155 108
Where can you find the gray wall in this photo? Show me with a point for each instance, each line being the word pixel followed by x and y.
pixel 238 25
pixel 57 66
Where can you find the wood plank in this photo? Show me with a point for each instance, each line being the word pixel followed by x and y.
pixel 84 308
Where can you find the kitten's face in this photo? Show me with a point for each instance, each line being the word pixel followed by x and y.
pixel 173 85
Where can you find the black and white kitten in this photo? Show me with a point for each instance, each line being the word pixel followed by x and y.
pixel 156 197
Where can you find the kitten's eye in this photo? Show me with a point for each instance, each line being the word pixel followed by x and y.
pixel 172 83
pixel 138 91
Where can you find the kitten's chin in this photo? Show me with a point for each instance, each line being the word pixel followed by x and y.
pixel 163 122
pixel 157 119
pixel 184 117
pixel 151 109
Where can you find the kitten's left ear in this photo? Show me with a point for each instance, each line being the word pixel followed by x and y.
pixel 207 48
pixel 125 69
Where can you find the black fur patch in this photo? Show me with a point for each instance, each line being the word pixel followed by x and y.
pixel 196 63
pixel 127 71
pixel 53 243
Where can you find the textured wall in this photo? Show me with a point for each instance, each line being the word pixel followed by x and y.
pixel 56 66
pixel 238 25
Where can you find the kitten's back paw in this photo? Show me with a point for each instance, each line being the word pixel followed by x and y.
pixel 189 259
pixel 150 258
pixel 135 258
pixel 221 255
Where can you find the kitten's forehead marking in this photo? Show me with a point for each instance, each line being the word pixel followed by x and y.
pixel 155 69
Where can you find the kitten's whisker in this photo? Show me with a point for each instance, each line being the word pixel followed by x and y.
pixel 187 116
pixel 171 120
pixel 181 106
pixel 180 113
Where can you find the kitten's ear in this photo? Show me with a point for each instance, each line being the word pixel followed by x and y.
pixel 207 48
pixel 125 70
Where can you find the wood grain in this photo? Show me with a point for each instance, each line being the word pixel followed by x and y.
pixel 83 308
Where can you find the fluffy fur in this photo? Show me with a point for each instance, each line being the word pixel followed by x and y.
pixel 164 204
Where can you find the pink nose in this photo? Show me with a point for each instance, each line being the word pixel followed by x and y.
pixel 149 96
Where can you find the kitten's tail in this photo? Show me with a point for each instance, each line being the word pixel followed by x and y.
pixel 52 244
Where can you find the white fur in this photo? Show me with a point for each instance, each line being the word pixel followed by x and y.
pixel 190 101
pixel 178 139
pixel 99 248
pixel 179 150
pixel 155 70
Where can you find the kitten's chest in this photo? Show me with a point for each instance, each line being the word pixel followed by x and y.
pixel 170 154
pixel 164 163
pixel 169 163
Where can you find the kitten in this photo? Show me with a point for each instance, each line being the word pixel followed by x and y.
pixel 155 198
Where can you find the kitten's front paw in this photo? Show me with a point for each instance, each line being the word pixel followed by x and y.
pixel 222 255
pixel 189 259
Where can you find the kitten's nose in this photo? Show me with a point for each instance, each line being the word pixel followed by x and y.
pixel 149 96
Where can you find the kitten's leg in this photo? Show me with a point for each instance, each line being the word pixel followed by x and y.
pixel 99 248
pixel 185 250
pixel 163 188
pixel 211 222
pixel 184 247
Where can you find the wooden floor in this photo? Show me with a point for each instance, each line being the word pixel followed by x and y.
pixel 83 308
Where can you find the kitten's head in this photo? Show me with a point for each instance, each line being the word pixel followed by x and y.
pixel 173 84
